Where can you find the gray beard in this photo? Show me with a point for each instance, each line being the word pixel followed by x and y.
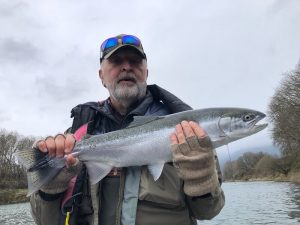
pixel 128 96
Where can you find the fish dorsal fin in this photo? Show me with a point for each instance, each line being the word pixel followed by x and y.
pixel 141 120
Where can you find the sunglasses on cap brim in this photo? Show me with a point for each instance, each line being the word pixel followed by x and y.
pixel 125 40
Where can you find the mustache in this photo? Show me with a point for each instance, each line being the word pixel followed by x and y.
pixel 126 76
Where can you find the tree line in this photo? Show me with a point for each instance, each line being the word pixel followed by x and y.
pixel 257 165
pixel 11 173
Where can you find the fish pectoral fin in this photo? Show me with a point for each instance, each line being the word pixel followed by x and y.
pixel 97 171
pixel 141 120
pixel 156 170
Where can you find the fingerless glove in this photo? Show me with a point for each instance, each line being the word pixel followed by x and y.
pixel 195 163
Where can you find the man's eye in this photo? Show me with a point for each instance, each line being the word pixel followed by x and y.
pixel 135 61
pixel 115 60
pixel 119 60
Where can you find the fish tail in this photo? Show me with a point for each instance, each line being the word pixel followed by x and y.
pixel 40 167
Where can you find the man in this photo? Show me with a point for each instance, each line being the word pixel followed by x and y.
pixel 188 189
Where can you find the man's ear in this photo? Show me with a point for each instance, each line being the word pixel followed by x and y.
pixel 101 77
pixel 100 74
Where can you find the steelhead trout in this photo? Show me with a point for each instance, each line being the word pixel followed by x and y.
pixel 144 142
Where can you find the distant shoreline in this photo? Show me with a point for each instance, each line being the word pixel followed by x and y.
pixel 11 196
pixel 292 177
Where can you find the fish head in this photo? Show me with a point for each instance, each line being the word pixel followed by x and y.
pixel 239 123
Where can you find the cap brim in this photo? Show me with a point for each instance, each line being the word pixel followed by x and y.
pixel 122 46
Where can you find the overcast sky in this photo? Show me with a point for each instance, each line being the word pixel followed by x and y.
pixel 209 53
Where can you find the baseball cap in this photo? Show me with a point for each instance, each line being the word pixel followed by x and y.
pixel 112 44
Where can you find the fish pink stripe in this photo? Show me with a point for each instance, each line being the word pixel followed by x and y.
pixel 81 132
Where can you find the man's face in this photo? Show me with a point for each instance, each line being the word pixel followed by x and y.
pixel 124 74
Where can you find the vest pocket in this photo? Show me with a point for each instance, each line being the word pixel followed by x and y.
pixel 165 192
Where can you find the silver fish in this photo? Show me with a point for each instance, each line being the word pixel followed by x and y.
pixel 144 142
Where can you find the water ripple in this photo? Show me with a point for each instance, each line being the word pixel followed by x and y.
pixel 15 214
pixel 259 203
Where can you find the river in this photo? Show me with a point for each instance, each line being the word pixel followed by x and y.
pixel 246 203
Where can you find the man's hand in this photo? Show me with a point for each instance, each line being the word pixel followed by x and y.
pixel 59 146
pixel 193 157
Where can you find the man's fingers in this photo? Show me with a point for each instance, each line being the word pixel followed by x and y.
pixel 187 129
pixel 60 145
pixel 173 139
pixel 57 146
pixel 70 160
pixel 50 143
pixel 197 129
pixel 69 143
pixel 180 134
pixel 41 145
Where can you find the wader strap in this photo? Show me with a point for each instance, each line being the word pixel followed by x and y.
pixel 131 193
pixel 67 218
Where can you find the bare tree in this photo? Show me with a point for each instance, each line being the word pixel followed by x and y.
pixel 284 114
pixel 230 171
pixel 12 175
pixel 8 141
pixel 245 167
pixel 266 166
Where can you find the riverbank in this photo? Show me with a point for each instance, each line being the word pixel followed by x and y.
pixel 10 196
pixel 293 177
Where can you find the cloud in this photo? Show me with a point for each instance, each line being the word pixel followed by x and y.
pixel 60 89
pixel 12 8
pixel 4 117
pixel 18 51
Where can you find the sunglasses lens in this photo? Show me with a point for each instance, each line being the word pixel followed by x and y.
pixel 111 42
pixel 132 40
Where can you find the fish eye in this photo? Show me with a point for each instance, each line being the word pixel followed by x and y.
pixel 248 117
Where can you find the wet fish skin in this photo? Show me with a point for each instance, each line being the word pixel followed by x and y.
pixel 144 142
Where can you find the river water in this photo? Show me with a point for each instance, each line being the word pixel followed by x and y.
pixel 246 203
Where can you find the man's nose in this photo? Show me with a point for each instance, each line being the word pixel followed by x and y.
pixel 126 66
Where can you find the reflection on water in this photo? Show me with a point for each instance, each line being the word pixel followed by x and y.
pixel 259 203
pixel 246 203
pixel 295 200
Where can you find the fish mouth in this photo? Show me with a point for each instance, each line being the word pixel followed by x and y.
pixel 260 127
pixel 257 124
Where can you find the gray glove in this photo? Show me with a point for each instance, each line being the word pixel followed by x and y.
pixel 195 163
